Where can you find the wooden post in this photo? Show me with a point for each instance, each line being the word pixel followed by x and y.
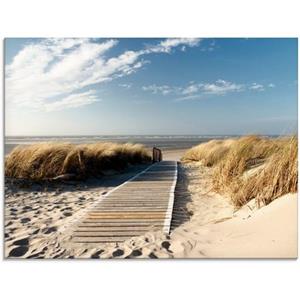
pixel 160 155
pixel 156 155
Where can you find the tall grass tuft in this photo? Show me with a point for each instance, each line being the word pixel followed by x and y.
pixel 278 177
pixel 49 160
pixel 250 167
pixel 244 154
pixel 209 153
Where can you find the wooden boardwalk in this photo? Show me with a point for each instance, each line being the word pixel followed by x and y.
pixel 139 205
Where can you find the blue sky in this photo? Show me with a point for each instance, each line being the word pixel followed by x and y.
pixel 150 86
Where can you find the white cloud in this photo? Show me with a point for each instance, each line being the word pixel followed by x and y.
pixel 191 89
pixel 125 85
pixel 155 89
pixel 194 90
pixel 60 68
pixel 73 100
pixel 257 87
pixel 221 87
pixel 45 70
pixel 167 45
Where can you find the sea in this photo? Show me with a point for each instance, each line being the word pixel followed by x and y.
pixel 164 142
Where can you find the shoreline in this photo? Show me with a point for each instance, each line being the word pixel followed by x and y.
pixel 165 144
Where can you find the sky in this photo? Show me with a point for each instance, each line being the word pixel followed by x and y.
pixel 94 86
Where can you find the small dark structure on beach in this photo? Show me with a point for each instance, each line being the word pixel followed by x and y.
pixel 156 155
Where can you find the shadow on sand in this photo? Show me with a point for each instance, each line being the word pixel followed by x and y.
pixel 182 198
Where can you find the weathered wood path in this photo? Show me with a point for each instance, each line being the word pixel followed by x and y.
pixel 143 203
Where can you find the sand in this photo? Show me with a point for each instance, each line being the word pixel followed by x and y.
pixel 36 215
pixel 204 225
pixel 173 154
pixel 268 232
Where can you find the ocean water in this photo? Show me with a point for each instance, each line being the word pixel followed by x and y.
pixel 164 142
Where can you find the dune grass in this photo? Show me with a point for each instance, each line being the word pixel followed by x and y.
pixel 250 167
pixel 49 160
pixel 209 153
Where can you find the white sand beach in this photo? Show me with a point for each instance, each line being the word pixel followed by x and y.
pixel 204 225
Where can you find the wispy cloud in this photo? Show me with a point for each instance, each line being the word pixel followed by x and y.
pixel 161 89
pixel 191 89
pixel 73 100
pixel 125 85
pixel 195 90
pixel 53 74
pixel 257 87
pixel 167 45
pixel 221 87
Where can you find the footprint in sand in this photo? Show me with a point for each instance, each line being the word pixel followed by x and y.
pixel 136 253
pixel 50 230
pixel 22 242
pixel 152 255
pixel 27 208
pixel 18 252
pixel 25 220
pixel 97 254
pixel 166 245
pixel 67 214
pixel 117 253
pixel 34 256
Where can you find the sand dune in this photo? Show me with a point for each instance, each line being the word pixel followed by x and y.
pixel 204 225
pixel 270 232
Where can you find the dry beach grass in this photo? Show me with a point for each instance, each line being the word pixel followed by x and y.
pixel 250 167
pixel 50 160
pixel 206 223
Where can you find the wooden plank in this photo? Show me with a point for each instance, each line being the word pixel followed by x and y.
pixel 131 204
pixel 143 203
pixel 151 195
pixel 94 219
pixel 129 213
pixel 99 239
pixel 123 223
pixel 121 205
pixel 115 228
pixel 123 198
pixel 128 233
pixel 148 217
pixel 134 210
